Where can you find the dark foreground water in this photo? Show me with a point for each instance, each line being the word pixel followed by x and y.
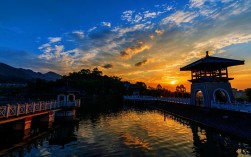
pixel 136 133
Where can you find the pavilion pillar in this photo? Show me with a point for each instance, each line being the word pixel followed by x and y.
pixel 22 128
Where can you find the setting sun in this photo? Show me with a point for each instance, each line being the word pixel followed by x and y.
pixel 173 82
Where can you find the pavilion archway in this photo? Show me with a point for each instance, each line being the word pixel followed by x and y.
pixel 199 98
pixel 221 96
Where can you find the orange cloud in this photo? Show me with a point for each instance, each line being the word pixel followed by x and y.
pixel 133 50
pixel 159 32
pixel 141 63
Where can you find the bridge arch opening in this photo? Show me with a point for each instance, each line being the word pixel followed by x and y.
pixel 221 96
pixel 61 98
pixel 71 97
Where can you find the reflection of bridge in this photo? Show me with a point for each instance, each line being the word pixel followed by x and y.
pixel 57 136
pixel 20 117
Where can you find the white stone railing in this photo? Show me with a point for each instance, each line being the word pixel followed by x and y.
pixel 23 109
pixel 162 99
pixel 241 107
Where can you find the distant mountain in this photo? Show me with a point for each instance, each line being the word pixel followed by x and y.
pixel 9 72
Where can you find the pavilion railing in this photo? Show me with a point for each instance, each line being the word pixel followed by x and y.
pixel 240 107
pixel 162 99
pixel 28 108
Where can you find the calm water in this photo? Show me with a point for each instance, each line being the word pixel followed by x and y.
pixel 133 133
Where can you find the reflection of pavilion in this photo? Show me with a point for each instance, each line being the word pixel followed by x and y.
pixel 208 143
pixel 210 81
pixel 64 135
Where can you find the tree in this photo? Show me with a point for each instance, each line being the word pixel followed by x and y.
pixel 181 89
pixel 159 87
pixel 141 85
pixel 248 94
pixel 96 72
pixel 85 71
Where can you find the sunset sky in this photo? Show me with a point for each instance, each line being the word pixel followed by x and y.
pixel 137 40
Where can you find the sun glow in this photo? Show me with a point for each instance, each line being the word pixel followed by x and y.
pixel 173 82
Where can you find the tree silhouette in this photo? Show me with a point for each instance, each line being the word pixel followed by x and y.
pixel 248 94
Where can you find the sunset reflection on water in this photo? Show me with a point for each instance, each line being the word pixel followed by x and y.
pixel 137 133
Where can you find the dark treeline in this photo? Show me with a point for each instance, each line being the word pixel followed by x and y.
pixel 87 83
pixel 140 88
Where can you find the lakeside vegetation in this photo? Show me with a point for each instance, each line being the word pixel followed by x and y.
pixel 87 83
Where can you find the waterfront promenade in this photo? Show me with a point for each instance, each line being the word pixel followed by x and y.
pixel 238 107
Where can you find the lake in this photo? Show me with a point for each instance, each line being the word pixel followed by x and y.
pixel 133 132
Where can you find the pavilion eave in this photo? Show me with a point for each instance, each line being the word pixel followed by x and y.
pixel 209 62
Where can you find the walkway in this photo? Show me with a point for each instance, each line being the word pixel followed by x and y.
pixel 239 107
pixel 15 112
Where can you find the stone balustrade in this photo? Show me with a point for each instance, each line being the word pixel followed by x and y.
pixel 27 108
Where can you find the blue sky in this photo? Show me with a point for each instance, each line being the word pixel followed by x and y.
pixel 139 40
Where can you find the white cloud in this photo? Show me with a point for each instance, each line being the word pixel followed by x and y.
pixel 226 1
pixel 58 50
pixel 88 56
pixel 212 9
pixel 196 3
pixel 106 24
pixel 220 42
pixel 237 7
pixel 169 8
pixel 43 46
pixel 127 15
pixel 58 58
pixel 92 29
pixel 122 31
pixel 148 14
pixel 80 34
pixel 131 17
pixel 180 17
pixel 54 39
pixel 46 56
pixel 137 18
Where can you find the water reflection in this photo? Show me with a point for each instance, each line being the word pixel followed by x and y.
pixel 210 143
pixel 132 132
pixel 43 143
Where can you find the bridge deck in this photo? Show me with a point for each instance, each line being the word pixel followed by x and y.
pixel 12 119
pixel 11 113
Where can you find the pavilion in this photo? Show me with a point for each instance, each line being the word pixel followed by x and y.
pixel 210 80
